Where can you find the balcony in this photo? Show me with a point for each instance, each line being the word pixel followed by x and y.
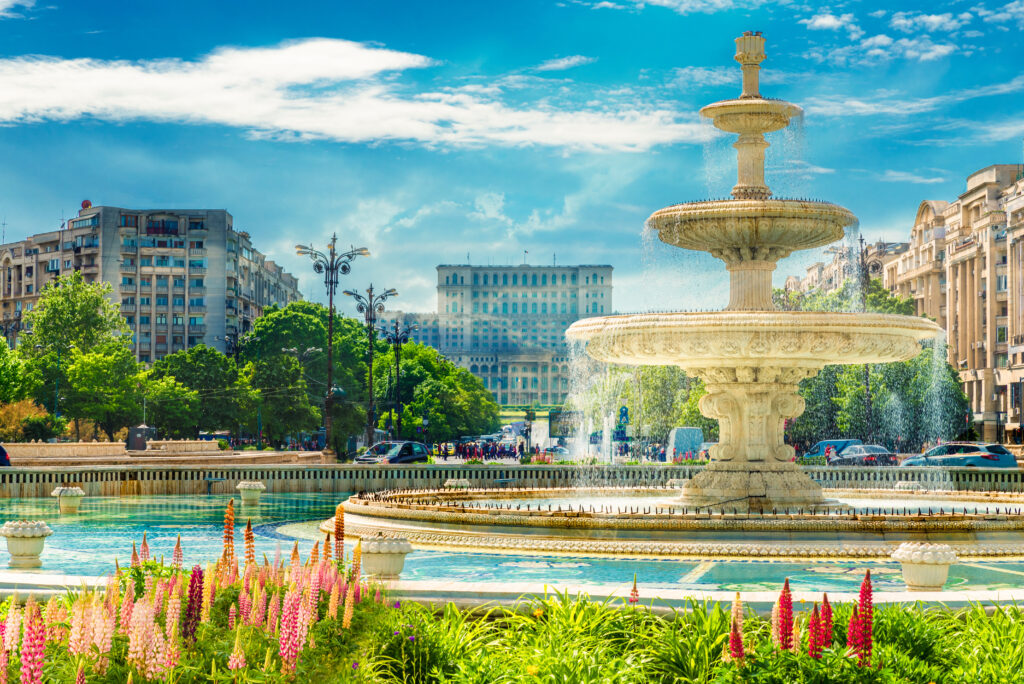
pixel 196 309
pixel 127 308
pixel 176 328
pixel 197 290
pixel 197 270
pixel 197 251
pixel 126 287
pixel 161 348
pixel 197 329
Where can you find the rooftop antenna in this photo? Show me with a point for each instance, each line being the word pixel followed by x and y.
pixel 3 231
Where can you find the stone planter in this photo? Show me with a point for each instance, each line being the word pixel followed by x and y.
pixel 925 566
pixel 25 540
pixel 68 498
pixel 250 492
pixel 384 557
pixel 459 483
pixel 909 487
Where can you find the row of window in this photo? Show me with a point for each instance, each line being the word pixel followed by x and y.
pixel 161 300
pixel 162 281
pixel 161 319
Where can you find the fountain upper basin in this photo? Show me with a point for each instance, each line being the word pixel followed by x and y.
pixel 750 115
pixel 776 226
pixel 733 339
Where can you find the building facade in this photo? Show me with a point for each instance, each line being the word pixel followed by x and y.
pixel 182 277
pixel 506 324
pixel 965 269
pixel 845 264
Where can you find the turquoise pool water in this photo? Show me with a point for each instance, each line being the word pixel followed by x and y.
pixel 88 543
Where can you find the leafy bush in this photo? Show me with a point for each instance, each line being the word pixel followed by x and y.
pixel 223 444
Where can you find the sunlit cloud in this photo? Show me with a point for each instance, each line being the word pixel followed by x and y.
pixel 320 89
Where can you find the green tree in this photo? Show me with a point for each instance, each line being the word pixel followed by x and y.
pixel 222 398
pixel 912 402
pixel 13 382
pixel 71 314
pixel 282 397
pixel 105 387
pixel 171 407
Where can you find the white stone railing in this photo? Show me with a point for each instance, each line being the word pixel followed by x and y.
pixel 63 450
pixel 193 480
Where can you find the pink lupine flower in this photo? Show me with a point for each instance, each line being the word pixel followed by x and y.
pixel 103 623
pixel 80 673
pixel 12 629
pixel 80 638
pixel 244 606
pixel 135 557
pixel 774 622
pixel 32 650
pixel 853 632
pixel 736 651
pixel 288 641
pixel 231 616
pixel 173 614
pixel 4 661
pixel 172 651
pixel 237 659
pixel 634 595
pixel 176 556
pixel 377 598
pixel 272 611
pixel 127 606
pixel 144 549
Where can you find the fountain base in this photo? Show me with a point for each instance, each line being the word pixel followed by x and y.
pixel 752 487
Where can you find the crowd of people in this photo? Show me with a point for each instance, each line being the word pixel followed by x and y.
pixel 482 451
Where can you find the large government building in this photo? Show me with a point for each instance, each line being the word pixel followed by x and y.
pixel 506 324
pixel 181 276
pixel 965 270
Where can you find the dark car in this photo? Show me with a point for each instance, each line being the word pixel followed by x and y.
pixel 864 455
pixel 838 445
pixel 965 454
pixel 395 452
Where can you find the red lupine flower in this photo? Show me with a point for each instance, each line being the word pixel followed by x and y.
pixel 826 622
pixel 866 612
pixel 786 618
pixel 814 644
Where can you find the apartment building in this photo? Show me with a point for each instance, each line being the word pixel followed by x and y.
pixel 827 277
pixel 506 324
pixel 965 269
pixel 182 277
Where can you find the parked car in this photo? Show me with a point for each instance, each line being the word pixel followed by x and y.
pixel 557 450
pixel 965 454
pixel 395 452
pixel 865 455
pixel 838 445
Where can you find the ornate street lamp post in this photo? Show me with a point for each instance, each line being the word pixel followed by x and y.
pixel 330 264
pixel 370 306
pixel 396 338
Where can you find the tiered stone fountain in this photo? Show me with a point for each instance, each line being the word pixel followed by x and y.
pixel 751 356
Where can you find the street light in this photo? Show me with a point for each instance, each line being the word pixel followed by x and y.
pixel 259 402
pixel 330 264
pixel 396 338
pixel 230 340
pixel 370 306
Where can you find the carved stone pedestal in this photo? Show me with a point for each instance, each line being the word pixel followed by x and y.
pixel 744 487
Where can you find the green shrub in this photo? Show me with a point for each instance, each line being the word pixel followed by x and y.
pixel 223 444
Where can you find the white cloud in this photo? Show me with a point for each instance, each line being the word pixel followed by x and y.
pixel 890 103
pixel 877 14
pixel 908 22
pixel 563 63
pixel 8 8
pixel 699 77
pixel 826 21
pixel 1012 11
pixel 321 89
pixel 682 6
pixel 882 48
pixel 891 176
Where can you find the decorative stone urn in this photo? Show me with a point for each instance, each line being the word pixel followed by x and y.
pixel 925 566
pixel 250 491
pixel 68 498
pixel 384 557
pixel 25 540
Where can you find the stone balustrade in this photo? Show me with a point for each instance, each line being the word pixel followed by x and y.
pixel 63 450
pixel 189 479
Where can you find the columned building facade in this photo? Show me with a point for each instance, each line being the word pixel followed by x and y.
pixel 506 324
pixel 965 270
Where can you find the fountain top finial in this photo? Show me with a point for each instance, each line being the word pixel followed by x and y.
pixel 750 54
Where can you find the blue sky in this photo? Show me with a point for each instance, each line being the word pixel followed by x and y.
pixel 427 131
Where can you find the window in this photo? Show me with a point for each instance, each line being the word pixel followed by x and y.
pixel 179 282
pixel 197 301
pixel 161 319
pixel 195 244
pixel 145 282
pixel 127 281
pixel 195 320
pixel 178 319
pixel 161 300
pixel 161 281
pixel 129 221
pixel 146 261
pixel 143 320
pixel 144 301
pixel 1001 333
pixel 179 301
pixel 53 265
pixel 163 261
pixel 195 282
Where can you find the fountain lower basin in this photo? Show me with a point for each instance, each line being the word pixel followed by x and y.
pixel 644 523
